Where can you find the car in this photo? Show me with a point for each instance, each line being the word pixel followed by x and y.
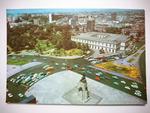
pixel 90 57
pixel 64 64
pixel 18 81
pixel 49 68
pixel 90 60
pixel 48 73
pixel 35 80
pixel 20 95
pixel 89 72
pixel 21 75
pixel 115 77
pixel 116 58
pixel 116 83
pixel 123 82
pixel 134 86
pixel 31 84
pixel 10 95
pixel 41 73
pixel 86 58
pixel 56 64
pixel 27 79
pixel 127 87
pixel 138 93
pixel 34 60
pixel 134 83
pixel 83 68
pixel 97 78
pixel 34 75
pixel 99 74
pixel 12 80
pixel 45 66
pixel 63 68
pixel 18 77
pixel 94 62
pixel 76 65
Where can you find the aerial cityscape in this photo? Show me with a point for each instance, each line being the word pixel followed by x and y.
pixel 76 56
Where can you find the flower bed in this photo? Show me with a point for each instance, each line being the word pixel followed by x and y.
pixel 130 71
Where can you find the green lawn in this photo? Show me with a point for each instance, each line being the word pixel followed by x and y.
pixel 140 43
pixel 18 60
pixel 131 60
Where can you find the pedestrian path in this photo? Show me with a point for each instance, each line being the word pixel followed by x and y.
pixel 13 69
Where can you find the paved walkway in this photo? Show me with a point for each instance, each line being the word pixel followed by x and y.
pixel 51 90
pixel 135 57
pixel 13 69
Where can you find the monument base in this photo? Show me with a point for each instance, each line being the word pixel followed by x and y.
pixel 72 97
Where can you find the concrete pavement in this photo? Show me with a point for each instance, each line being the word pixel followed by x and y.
pixel 51 89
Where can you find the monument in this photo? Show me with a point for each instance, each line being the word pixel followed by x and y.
pixel 80 94
pixel 83 92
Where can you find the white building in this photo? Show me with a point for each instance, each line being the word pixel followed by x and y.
pixel 50 18
pixel 110 43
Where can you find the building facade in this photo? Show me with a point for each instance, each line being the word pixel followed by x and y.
pixel 110 43
pixel 90 25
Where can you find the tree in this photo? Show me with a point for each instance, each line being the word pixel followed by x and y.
pixel 114 30
pixel 101 51
pixel 87 47
pixel 79 45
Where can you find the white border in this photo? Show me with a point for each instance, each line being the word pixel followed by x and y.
pixel 21 4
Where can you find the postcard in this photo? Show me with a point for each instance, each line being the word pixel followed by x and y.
pixel 76 56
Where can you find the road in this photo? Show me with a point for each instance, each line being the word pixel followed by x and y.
pixel 80 66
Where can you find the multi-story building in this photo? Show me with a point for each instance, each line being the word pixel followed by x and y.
pixel 110 43
pixel 90 25
pixel 100 27
pixel 113 16
pixel 50 18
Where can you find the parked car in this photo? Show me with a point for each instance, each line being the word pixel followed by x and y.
pixel 49 68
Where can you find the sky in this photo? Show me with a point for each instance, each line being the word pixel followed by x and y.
pixel 46 11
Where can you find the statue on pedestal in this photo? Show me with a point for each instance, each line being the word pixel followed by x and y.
pixel 83 92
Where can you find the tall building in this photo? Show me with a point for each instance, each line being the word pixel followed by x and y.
pixel 50 18
pixel 113 16
pixel 90 25
pixel 72 22
pixel 36 21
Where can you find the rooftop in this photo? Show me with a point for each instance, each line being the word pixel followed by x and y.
pixel 102 37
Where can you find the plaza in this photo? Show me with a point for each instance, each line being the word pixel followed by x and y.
pixel 51 90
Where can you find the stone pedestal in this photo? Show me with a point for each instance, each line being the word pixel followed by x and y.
pixel 73 97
